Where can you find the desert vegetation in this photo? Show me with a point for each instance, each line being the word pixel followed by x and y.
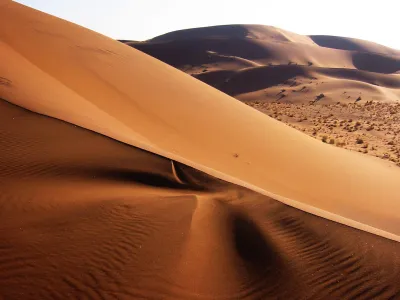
pixel 371 127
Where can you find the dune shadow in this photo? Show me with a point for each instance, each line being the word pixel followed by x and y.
pixel 216 78
pixel 195 51
pixel 336 42
pixel 259 78
pixel 253 247
pixel 376 63
pixel 156 180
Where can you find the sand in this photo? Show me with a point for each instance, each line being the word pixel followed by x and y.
pixel 87 217
pixel 124 178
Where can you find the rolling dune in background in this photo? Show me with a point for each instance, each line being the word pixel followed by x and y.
pixel 230 56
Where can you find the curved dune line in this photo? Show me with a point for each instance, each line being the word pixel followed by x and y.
pixel 70 73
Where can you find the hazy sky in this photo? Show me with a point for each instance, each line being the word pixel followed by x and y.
pixel 376 21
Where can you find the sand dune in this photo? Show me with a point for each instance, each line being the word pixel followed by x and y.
pixel 125 178
pixel 91 81
pixel 265 45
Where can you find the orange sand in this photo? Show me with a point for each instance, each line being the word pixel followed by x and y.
pixel 87 214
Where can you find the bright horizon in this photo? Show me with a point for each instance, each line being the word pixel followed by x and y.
pixel 144 19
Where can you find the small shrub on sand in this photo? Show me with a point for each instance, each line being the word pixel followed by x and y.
pixel 324 139
pixel 359 141
pixel 319 97
pixel 340 144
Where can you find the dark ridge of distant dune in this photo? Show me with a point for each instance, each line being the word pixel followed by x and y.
pixel 374 62
pixel 383 80
pixel 85 216
pixel 259 78
pixel 191 52
pixel 352 44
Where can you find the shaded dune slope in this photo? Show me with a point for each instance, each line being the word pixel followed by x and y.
pixel 253 79
pixel 87 217
pixel 70 73
pixel 352 44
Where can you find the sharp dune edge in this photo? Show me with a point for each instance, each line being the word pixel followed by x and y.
pixel 85 215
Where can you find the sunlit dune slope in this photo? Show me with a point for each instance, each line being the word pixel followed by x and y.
pixel 62 70
pixel 257 32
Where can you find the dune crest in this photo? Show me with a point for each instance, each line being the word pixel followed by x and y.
pixel 122 93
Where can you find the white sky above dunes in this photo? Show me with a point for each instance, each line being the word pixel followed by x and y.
pixel 375 21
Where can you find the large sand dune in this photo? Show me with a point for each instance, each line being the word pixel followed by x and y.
pixel 86 214
pixel 86 217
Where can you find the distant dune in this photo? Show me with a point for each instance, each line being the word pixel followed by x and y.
pixel 244 48
pixel 124 178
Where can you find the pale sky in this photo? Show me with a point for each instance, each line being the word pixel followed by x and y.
pixel 372 20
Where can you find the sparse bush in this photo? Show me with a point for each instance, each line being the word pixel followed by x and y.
pixel 370 128
pixel 319 97
pixel 332 141
pixel 324 138
pixel 359 141
pixel 340 144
